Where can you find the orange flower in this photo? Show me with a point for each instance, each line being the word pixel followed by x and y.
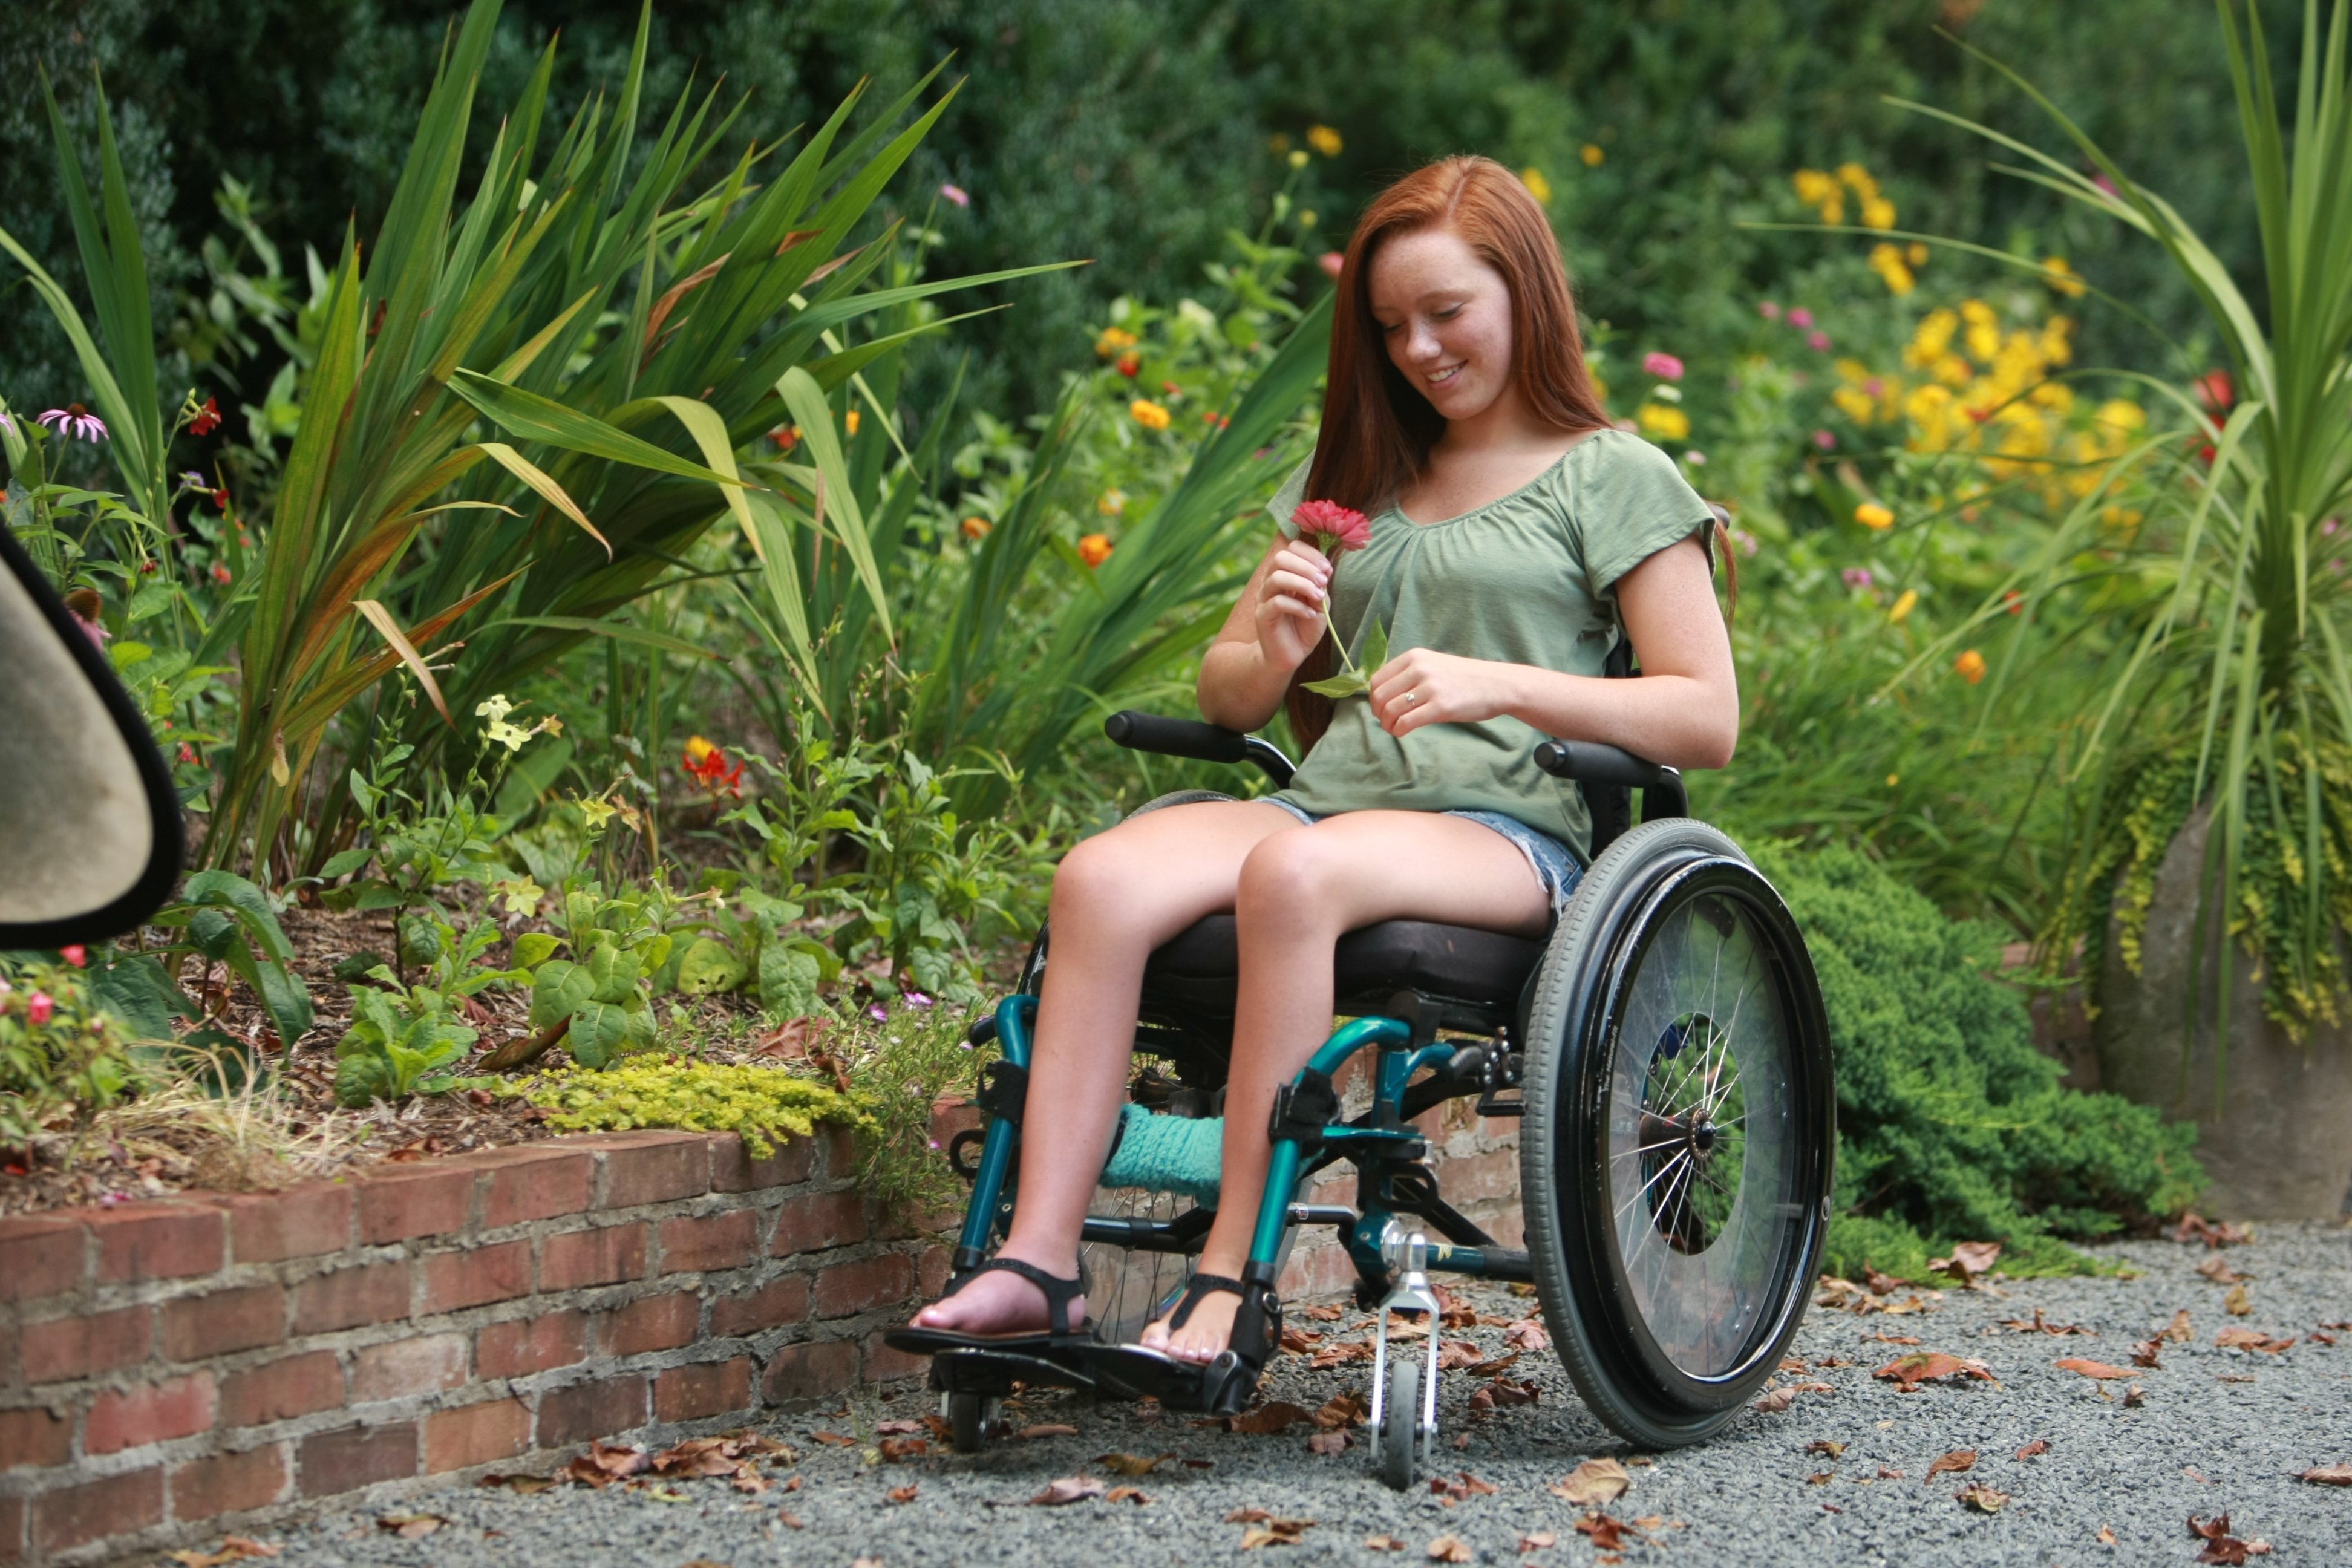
pixel 852 421
pixel 786 437
pixel 1150 414
pixel 1094 548
pixel 976 527
pixel 1871 515
pixel 1971 667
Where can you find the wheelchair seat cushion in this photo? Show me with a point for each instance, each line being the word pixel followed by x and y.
pixel 1484 969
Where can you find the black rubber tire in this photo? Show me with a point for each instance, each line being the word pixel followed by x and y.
pixel 1399 1433
pixel 1632 892
pixel 968 1417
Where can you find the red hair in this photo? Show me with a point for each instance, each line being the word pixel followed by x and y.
pixel 1377 428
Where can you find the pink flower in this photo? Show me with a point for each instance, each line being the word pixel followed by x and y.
pixel 2216 391
pixel 39 1007
pixel 1330 261
pixel 1824 440
pixel 75 954
pixel 73 419
pixel 1856 576
pixel 916 999
pixel 1819 341
pixel 878 1013
pixel 957 195
pixel 1665 367
pixel 1768 308
pixel 2105 185
pixel 1800 317
pixel 1333 526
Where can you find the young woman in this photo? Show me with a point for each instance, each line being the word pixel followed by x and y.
pixel 1514 537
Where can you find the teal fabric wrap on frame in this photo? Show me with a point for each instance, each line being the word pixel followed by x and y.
pixel 1178 1155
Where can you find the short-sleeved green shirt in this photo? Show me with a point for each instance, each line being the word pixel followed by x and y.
pixel 1528 579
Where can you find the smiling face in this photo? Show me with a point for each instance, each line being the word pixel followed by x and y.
pixel 1445 317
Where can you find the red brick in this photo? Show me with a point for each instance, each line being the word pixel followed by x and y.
pixel 778 1302
pixel 801 1373
pixel 538 1182
pixel 33 1437
pixel 229 1483
pixel 1480 1178
pixel 12 1529
pixel 308 1221
pixel 732 1169
pixel 476 1435
pixel 652 1323
pixel 883 1365
pixel 819 1221
pixel 353 1456
pixel 931 1273
pixel 219 1321
pixel 692 1245
pixel 349 1298
pixel 709 1388
pixel 282 1390
pixel 128 1418
pixel 40 1255
pixel 399 1368
pixel 400 1202
pixel 585 1410
pixel 836 1150
pixel 525 1345
pixel 158 1241
pixel 454 1280
pixel 651 1167
pixel 599 1257
pixel 848 1287
pixel 78 1347
pixel 118 1505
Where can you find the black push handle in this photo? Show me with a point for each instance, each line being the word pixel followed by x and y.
pixel 1192 738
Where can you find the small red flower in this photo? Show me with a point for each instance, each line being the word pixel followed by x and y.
pixel 39 1007
pixel 75 954
pixel 707 765
pixel 2013 601
pixel 221 574
pixel 187 753
pixel 220 502
pixel 146 568
pixel 786 437
pixel 2216 392
pixel 207 419
pixel 1331 526
pixel 1128 364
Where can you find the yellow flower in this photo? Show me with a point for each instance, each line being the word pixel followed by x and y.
pixel 1903 606
pixel 1663 423
pixel 1857 176
pixel 1111 341
pixel 1877 212
pixel 1894 779
pixel 1871 515
pixel 1094 548
pixel 1324 140
pixel 977 527
pixel 1148 414
pixel 1857 403
pixel 1887 262
pixel 1111 502
pixel 1592 155
pixel 1971 667
pixel 1931 339
pixel 2063 278
pixel 852 421
pixel 1821 192
pixel 1307 218
pixel 698 750
pixel 1915 254
pixel 1299 158
pixel 1538 186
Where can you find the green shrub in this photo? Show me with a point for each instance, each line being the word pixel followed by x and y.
pixel 61 1055
pixel 1951 1125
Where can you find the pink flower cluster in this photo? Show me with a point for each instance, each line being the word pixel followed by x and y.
pixel 1331 526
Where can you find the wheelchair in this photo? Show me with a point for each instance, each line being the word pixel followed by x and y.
pixel 1664 1048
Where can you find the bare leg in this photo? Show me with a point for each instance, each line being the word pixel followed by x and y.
pixel 1299 893
pixel 1116 897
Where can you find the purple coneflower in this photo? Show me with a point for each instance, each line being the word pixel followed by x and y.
pixel 73 419
pixel 957 195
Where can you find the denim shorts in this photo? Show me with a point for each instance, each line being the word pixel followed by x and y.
pixel 1554 863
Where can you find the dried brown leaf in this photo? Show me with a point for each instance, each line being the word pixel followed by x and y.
pixel 1955 1462
pixel 1538 1541
pixel 1449 1549
pixel 1982 1498
pixel 906 1493
pixel 2097 1368
pixel 2038 1447
pixel 1327 1443
pixel 1048 1429
pixel 2237 1303
pixel 1777 1400
pixel 1323 1313
pixel 1342 1410
pixel 1126 1494
pixel 1909 1371
pixel 1969 1259
pixel 1821 1478
pixel 1131 1464
pixel 1069 1489
pixel 1383 1543
pixel 411 1526
pixel 1593 1482
pixel 1268 1418
pixel 2327 1475
pixel 2178 1330
pixel 1823 1446
pixel 894 1450
pixel 1497 1367
pixel 1527 1334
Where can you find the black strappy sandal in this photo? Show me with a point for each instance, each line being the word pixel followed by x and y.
pixel 1059 1293
pixel 1222 1387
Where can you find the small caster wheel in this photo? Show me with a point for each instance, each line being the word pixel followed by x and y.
pixel 969 1417
pixel 1399 1433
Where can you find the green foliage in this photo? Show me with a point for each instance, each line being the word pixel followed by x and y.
pixel 601 998
pixel 63 1056
pixel 901 1069
pixel 1950 1124
pixel 400 1035
pixel 229 920
pixel 765 1104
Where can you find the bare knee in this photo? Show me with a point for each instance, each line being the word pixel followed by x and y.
pixel 1289 884
pixel 1093 881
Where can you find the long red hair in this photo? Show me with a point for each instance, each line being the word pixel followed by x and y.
pixel 1377 428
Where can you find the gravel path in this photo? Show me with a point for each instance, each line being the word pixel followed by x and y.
pixel 2218 1430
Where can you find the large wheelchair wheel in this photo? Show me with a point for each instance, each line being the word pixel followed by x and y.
pixel 1680 1129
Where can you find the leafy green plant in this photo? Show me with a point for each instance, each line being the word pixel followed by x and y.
pixel 2238 658
pixel 1951 1125
pixel 228 921
pixel 765 1104
pixel 901 1068
pixel 63 1056
pixel 599 1001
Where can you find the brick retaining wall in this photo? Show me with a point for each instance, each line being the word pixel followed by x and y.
pixel 172 1370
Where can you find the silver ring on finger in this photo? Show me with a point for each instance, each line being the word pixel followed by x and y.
pixel 1412 699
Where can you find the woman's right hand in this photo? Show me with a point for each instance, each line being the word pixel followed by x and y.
pixel 1290 605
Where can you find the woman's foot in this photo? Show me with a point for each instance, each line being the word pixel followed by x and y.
pixel 1206 1332
pixel 1001 1302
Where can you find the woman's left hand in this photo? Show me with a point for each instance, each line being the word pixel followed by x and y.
pixel 1421 687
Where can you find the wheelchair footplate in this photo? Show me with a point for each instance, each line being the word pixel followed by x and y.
pixel 993 1374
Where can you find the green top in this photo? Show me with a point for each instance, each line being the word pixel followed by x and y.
pixel 1528 579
